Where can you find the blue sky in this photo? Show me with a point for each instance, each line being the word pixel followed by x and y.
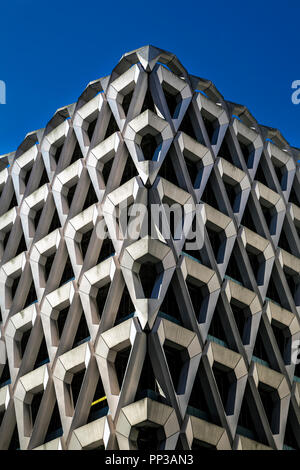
pixel 51 50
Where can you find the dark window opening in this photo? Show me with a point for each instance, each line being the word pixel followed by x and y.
pixel 292 282
pixel 24 341
pixel 61 320
pixel 209 196
pixel 14 442
pixel 172 99
pixel 223 384
pixel 121 362
pixel 267 215
pixel 210 128
pixel 194 253
pixel 27 176
pixel 272 292
pixel 175 360
pixel 245 151
pixel 70 194
pixel 2 413
pixel 201 400
pixel 284 242
pixel 259 350
pixel 240 320
pixel 22 246
pixel 201 445
pixel 254 261
pixel 48 264
pixel 42 357
pixel 97 409
pixel 149 145
pixel 55 222
pixel 35 406
pixel 148 102
pixel 91 128
pixel 76 154
pixel 187 127
pixel 55 427
pixel 294 196
pixel 13 202
pixel 101 297
pixel 231 193
pixel 291 431
pixel 5 376
pixel 82 332
pixel 91 198
pixel 216 328
pixel 148 275
pixel 279 172
pixel 179 445
pixel 260 175
pixel 282 337
pixel 14 287
pixel 99 447
pixel 58 153
pixel 126 306
pixel 247 219
pixel 107 249
pixel 37 217
pixel 215 240
pixel 193 170
pixel 226 153
pixel 129 171
pixel 167 170
pixel 170 305
pixel 31 296
pixel 68 273
pixel 233 269
pixel 126 101
pixel 5 240
pixel 267 397
pixel 248 423
pixel 196 294
pixel 149 437
pixel 106 170
pixel 148 382
pixel 44 178
pixel 297 227
pixel 112 127
pixel 76 385
pixel 85 240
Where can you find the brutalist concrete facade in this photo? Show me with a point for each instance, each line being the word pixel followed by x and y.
pixel 121 343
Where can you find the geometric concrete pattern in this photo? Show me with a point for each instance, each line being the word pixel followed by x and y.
pixel 145 344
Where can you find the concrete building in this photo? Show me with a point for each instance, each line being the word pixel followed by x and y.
pixel 123 343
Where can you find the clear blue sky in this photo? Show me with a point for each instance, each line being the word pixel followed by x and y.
pixel 51 50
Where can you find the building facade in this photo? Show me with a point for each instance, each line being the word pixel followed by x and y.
pixel 149 338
